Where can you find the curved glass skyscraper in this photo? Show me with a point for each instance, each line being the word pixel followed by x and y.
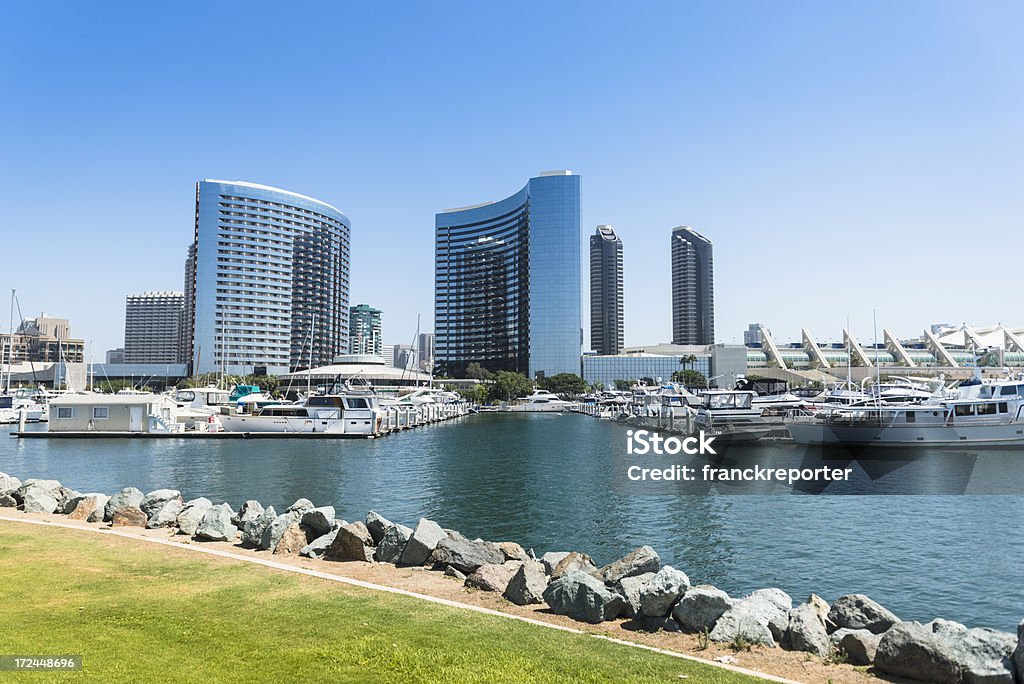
pixel 268 267
pixel 507 281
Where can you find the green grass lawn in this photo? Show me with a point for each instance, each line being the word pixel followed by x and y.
pixel 140 612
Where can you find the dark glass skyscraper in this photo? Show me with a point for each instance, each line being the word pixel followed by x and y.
pixel 606 314
pixel 693 288
pixel 507 281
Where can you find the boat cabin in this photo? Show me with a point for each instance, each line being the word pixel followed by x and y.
pixel 95 412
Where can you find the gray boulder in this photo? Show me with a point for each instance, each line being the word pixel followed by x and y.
pixel 319 546
pixel 250 510
pixel 274 531
pixel 493 576
pixel 582 597
pixel 701 607
pixel 513 551
pixel 662 591
pixel 760 618
pixel 8 483
pixel 822 608
pixel 629 590
pixel 192 514
pixel 215 524
pixel 464 555
pixel 320 520
pixel 636 562
pixel 424 539
pixel 253 528
pixel 38 500
pixel 574 562
pixel 8 501
pixel 69 498
pixel 154 501
pixel 377 524
pixel 352 542
pixel 300 507
pixel 857 611
pixel 551 559
pixel 946 652
pixel 1018 654
pixel 129 497
pixel 776 604
pixel 392 544
pixel 806 631
pixel 51 487
pixel 528 584
pixel 452 572
pixel 166 515
pixel 859 645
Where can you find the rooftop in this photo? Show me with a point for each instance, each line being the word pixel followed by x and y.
pixel 258 186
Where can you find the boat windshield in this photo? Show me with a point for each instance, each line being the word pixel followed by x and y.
pixel 728 401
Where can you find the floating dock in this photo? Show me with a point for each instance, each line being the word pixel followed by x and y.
pixel 394 419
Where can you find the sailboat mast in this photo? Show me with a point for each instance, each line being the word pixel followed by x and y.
pixel 309 370
pixel 878 372
pixel 416 351
pixel 10 346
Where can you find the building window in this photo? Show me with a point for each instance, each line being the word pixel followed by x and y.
pixel 100 412
pixel 65 412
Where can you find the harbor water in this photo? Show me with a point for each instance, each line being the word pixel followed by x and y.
pixel 553 482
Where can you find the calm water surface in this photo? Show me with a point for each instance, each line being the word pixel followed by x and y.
pixel 547 481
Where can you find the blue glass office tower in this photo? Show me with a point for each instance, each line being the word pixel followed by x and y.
pixel 270 280
pixel 507 281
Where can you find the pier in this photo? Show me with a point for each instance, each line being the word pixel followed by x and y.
pixel 393 419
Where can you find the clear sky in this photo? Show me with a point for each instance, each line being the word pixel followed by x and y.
pixel 843 157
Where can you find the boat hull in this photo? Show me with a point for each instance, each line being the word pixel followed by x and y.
pixel 892 436
pixel 296 425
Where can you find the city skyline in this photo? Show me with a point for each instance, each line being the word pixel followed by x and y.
pixel 770 129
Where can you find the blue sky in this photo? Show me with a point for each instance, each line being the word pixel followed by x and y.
pixel 843 157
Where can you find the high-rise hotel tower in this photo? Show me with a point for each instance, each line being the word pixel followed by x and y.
pixel 507 281
pixel 269 284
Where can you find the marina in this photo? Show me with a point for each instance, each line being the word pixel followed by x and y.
pixel 543 479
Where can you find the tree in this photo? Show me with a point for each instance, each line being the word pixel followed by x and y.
pixel 476 394
pixel 269 384
pixel 623 385
pixel 568 384
pixel 475 371
pixel 507 385
pixel 689 378
pixel 116 385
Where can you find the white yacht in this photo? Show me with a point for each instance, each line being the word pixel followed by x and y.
pixel 978 414
pixel 12 406
pixel 198 405
pixel 722 408
pixel 542 401
pixel 347 413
